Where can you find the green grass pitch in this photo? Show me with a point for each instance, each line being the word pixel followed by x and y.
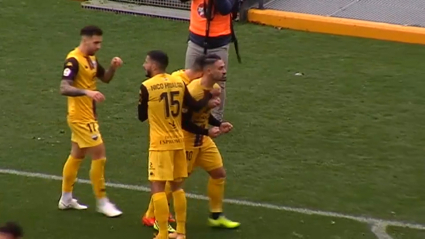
pixel 347 136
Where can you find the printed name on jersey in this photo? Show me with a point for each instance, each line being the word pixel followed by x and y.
pixel 66 72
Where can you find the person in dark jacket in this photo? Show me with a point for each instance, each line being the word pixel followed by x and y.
pixel 211 32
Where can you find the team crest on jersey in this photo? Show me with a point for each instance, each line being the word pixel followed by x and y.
pixel 201 10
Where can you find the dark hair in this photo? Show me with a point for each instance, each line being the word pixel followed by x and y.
pixel 206 60
pixel 12 228
pixel 90 31
pixel 198 63
pixel 160 57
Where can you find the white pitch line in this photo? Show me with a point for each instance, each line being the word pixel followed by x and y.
pixel 380 230
pixel 378 223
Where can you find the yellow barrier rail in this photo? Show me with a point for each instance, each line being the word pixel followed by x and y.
pixel 338 26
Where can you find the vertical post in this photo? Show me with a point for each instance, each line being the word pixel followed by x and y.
pixel 260 4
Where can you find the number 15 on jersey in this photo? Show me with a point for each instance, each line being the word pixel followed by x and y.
pixel 172 105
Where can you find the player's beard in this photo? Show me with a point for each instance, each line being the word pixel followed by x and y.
pixel 148 73
pixel 91 52
pixel 222 78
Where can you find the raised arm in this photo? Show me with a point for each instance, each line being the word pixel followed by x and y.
pixel 100 72
pixel 70 71
pixel 143 103
pixel 106 76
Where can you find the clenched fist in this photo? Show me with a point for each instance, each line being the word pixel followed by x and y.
pixel 226 127
pixel 116 62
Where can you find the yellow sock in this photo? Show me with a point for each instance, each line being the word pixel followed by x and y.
pixel 216 194
pixel 168 191
pixel 97 172
pixel 150 212
pixel 161 211
pixel 70 171
pixel 180 207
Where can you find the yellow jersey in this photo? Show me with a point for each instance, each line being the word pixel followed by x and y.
pixel 162 96
pixel 200 118
pixel 182 75
pixel 82 70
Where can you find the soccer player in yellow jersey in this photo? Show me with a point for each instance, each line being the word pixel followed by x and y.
pixel 161 99
pixel 190 74
pixel 186 75
pixel 78 83
pixel 201 150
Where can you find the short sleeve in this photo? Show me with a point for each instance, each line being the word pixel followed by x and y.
pixel 70 69
pixel 143 103
pixel 143 94
pixel 100 71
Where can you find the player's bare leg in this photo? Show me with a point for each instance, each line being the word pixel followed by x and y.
pixel 216 195
pixel 97 177
pixel 70 171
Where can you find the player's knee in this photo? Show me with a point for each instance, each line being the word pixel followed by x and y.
pixel 176 185
pixel 98 152
pixel 157 186
pixel 217 173
pixel 77 152
pixel 78 155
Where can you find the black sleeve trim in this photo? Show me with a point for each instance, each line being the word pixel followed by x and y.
pixel 189 126
pixel 143 103
pixel 213 121
pixel 100 71
pixel 70 69
pixel 192 103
